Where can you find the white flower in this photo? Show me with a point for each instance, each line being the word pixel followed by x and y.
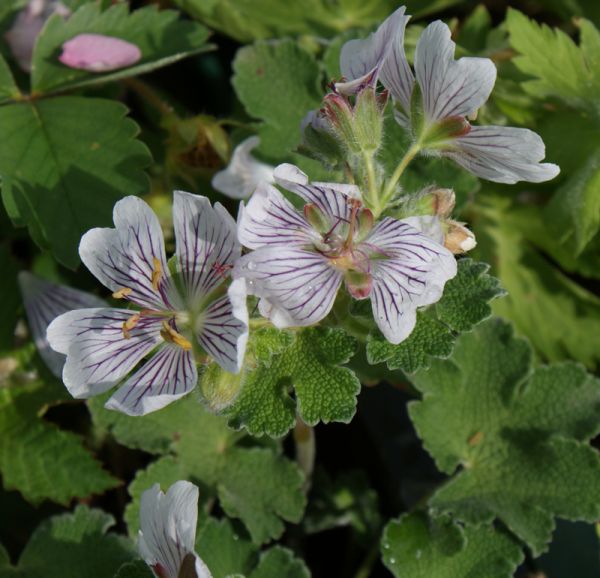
pixel 182 307
pixel 244 173
pixel 45 301
pixel 168 532
pixel 301 259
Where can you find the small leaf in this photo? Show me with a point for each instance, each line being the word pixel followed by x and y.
pixel 160 35
pixel 74 545
pixel 519 439
pixel 415 546
pixel 64 162
pixel 8 87
pixel 39 459
pixel 278 562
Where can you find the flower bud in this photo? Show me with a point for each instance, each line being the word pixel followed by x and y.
pixel 219 387
pixel 458 238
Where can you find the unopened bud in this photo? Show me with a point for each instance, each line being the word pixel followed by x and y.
pixel 219 388
pixel 458 238
pixel 443 202
pixel 359 284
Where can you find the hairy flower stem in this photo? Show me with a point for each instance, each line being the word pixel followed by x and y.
pixel 390 188
pixel 304 437
pixel 371 179
pixel 151 96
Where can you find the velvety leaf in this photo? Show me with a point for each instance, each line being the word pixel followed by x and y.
pixel 39 459
pixel 256 484
pixel 64 162
pixel 415 546
pixel 465 302
pixel 74 545
pixel 278 82
pixel 310 365
pixel 160 35
pixel 515 440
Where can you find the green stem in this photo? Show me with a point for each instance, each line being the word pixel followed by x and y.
pixel 371 180
pixel 390 188
pixel 304 436
pixel 151 96
pixel 365 568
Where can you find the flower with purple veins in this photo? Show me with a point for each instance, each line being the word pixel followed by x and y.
pixel 167 534
pixel 450 91
pixel 300 260
pixel 183 306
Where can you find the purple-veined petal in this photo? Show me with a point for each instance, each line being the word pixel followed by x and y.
pixel 168 375
pixel 396 74
pixel 270 219
pixel 450 87
pixel 207 244
pixel 45 301
pixel 99 53
pixel 361 60
pixel 429 225
pixel 331 198
pixel 244 173
pixel 224 329
pixel 27 25
pixel 503 154
pixel 168 528
pixel 131 256
pixel 98 353
pixel 300 286
pixel 409 270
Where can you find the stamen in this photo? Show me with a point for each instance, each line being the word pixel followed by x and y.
pixel 122 293
pixel 129 325
pixel 169 334
pixel 355 204
pixel 156 272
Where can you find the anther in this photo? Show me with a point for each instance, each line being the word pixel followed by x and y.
pixel 156 272
pixel 122 293
pixel 169 334
pixel 130 324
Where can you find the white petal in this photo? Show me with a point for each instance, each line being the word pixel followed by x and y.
pixel 300 286
pixel 244 173
pixel 503 154
pixel 45 301
pixel 168 525
pixel 98 354
pixel 270 219
pixel 124 257
pixel 224 329
pixel 450 87
pixel 207 244
pixel 167 376
pixel 360 60
pixel 412 274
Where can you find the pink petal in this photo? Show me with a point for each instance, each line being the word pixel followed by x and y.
pixel 99 53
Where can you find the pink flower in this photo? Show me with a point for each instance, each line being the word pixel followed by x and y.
pixel 99 53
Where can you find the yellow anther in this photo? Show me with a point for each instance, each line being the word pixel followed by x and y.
pixel 122 293
pixel 129 325
pixel 169 334
pixel 156 272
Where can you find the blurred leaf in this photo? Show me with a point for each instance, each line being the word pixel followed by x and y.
pixel 278 82
pixel 256 484
pixel 553 311
pixel 415 546
pixel 72 546
pixel 39 459
pixel 465 303
pixel 64 162
pixel 278 562
pixel 308 361
pixel 11 299
pixel 8 87
pixel 560 67
pixel 135 569
pixel 516 440
pixel 160 35
pixel 474 30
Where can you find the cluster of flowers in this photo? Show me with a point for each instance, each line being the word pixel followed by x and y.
pixel 194 304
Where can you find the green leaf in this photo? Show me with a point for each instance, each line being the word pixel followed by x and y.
pixel 551 309
pixel 575 207
pixel 8 87
pixel 135 569
pixel 466 302
pixel 310 365
pixel 256 484
pixel 39 459
pixel 278 82
pixel 560 67
pixel 278 562
pixel 64 162
pixel 515 440
pixel 11 300
pixel 72 546
pixel 415 546
pixel 161 37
